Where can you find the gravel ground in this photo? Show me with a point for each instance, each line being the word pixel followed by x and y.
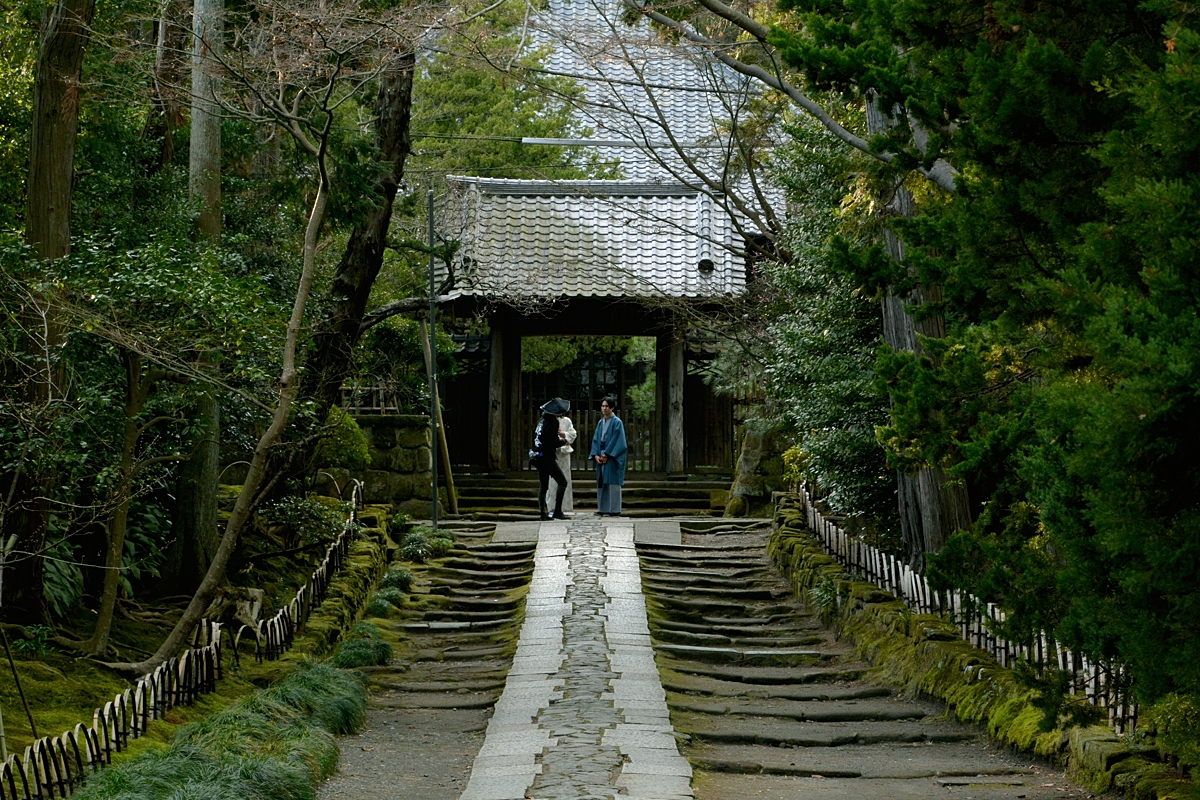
pixel 408 754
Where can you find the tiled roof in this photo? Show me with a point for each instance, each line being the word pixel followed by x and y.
pixel 636 87
pixel 543 239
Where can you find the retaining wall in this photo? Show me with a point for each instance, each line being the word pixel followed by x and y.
pixel 401 461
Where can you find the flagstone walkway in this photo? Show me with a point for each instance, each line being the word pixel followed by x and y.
pixel 583 714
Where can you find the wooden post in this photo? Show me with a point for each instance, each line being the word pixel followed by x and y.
pixel 441 443
pixel 675 461
pixel 517 447
pixel 496 400
pixel 662 378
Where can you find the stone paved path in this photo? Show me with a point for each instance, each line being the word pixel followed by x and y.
pixel 583 714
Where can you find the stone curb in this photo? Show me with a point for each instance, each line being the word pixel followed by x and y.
pixel 924 654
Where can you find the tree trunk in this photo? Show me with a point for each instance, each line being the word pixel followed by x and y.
pixel 345 302
pixel 166 110
pixel 204 165
pixel 56 97
pixel 931 508
pixel 65 30
pixel 137 389
pixel 289 385
pixel 194 521
pixel 195 518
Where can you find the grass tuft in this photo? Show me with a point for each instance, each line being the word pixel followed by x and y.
pixel 274 745
pixel 362 653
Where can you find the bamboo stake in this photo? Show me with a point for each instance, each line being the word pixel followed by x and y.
pixel 442 445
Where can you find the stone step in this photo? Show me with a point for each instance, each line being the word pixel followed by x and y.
pixel 698 686
pixel 776 732
pixel 824 710
pixel 805 625
pixel 764 657
pixel 436 699
pixel 688 590
pixel 777 676
pixel 878 762
pixel 665 634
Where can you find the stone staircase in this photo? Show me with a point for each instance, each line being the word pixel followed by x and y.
pixel 512 496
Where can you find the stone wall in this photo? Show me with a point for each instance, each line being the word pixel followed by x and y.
pixel 400 465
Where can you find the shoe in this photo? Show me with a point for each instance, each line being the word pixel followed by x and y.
pixel 545 517
pixel 560 515
pixel 597 513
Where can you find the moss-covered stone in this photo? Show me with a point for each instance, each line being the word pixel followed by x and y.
pixel 924 655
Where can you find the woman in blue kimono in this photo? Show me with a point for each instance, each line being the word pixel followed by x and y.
pixel 608 454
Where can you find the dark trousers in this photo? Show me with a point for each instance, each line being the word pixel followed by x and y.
pixel 548 468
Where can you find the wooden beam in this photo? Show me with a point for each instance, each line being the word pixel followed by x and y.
pixel 675 460
pixel 496 405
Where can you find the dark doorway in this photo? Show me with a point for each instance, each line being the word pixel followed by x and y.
pixel 585 381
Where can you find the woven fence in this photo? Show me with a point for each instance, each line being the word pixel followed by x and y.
pixel 54 766
pixel 1104 683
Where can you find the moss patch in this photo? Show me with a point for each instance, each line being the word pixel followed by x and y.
pixel 924 655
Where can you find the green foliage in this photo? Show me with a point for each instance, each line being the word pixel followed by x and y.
pixel 361 653
pixel 275 745
pixel 362 648
pixel 62 578
pixel 468 119
pixel 1064 394
pixel 390 595
pixel 398 578
pixel 307 520
pixel 147 535
pixel 794 461
pixel 35 641
pixel 395 360
pixel 423 543
pixel 1175 720
pixel 346 445
pixel 415 547
pixel 822 343
pixel 543 355
pixel 378 607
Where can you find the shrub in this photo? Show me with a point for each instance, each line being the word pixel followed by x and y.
pixel 398 578
pixel 415 547
pixel 345 445
pixel 423 543
pixel 440 546
pixel 308 519
pixel 393 596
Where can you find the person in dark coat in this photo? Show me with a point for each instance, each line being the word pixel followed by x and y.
pixel 544 457
pixel 608 454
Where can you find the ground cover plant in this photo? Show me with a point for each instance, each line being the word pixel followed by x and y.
pixel 276 744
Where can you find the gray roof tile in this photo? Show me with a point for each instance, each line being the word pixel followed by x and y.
pixel 591 238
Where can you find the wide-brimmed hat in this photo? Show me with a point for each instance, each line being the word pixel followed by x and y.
pixel 557 406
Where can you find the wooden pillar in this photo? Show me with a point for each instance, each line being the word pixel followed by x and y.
pixel 496 397
pixel 516 447
pixel 662 377
pixel 675 370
